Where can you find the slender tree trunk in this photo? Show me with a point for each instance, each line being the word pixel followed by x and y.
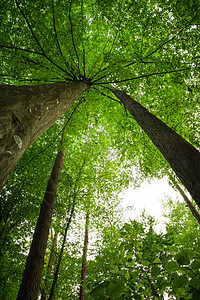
pixel 84 260
pixel 49 268
pixel 25 113
pixel 189 203
pixel 181 155
pixel 52 292
pixel 33 270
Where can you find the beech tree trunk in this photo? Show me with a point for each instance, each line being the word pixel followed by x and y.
pixel 181 155
pixel 189 203
pixel 84 260
pixel 28 111
pixel 34 265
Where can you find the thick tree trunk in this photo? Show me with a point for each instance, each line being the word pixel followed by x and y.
pixel 25 113
pixel 181 155
pixel 33 270
pixel 84 260
pixel 49 267
pixel 189 203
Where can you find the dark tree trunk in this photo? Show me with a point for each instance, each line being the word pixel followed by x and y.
pixel 181 155
pixel 52 291
pixel 34 265
pixel 25 113
pixel 84 260
pixel 189 203
pixel 49 268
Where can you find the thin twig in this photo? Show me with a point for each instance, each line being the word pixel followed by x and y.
pixel 108 96
pixel 83 42
pixel 58 44
pixel 146 76
pixel 72 35
pixel 21 49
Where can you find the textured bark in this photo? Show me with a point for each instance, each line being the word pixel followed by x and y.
pixel 52 291
pixel 189 204
pixel 25 113
pixel 84 260
pixel 33 270
pixel 49 267
pixel 181 155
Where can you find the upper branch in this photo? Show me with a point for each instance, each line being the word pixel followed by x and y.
pixel 36 39
pixel 58 44
pixel 72 35
pixel 145 76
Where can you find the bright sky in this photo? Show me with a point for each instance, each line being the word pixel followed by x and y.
pixel 148 196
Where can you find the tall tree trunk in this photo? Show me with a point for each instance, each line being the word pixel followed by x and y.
pixel 189 203
pixel 52 292
pixel 25 113
pixel 84 260
pixel 181 155
pixel 33 270
pixel 49 267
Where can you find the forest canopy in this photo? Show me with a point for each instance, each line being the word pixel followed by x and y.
pixel 67 70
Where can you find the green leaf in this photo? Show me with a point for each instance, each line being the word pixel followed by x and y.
pixel 128 227
pixel 183 258
pixel 155 271
pixel 145 262
pixel 115 289
pixel 180 281
pixel 137 296
pixel 195 264
pixel 115 269
pixel 195 282
pixel 171 266
pixel 160 248
pixel 127 275
pixel 99 291
pixel 157 261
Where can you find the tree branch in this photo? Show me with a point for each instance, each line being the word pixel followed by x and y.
pixel 58 44
pixel 145 76
pixel 72 35
pixel 35 38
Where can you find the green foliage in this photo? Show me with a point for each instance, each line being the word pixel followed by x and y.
pixel 147 265
pixel 151 50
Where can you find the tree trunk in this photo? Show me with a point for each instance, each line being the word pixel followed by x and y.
pixel 33 270
pixel 181 155
pixel 25 113
pixel 49 268
pixel 84 260
pixel 189 203
pixel 52 291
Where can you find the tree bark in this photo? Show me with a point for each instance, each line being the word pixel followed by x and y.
pixel 52 291
pixel 49 268
pixel 181 155
pixel 33 270
pixel 84 260
pixel 28 111
pixel 189 203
